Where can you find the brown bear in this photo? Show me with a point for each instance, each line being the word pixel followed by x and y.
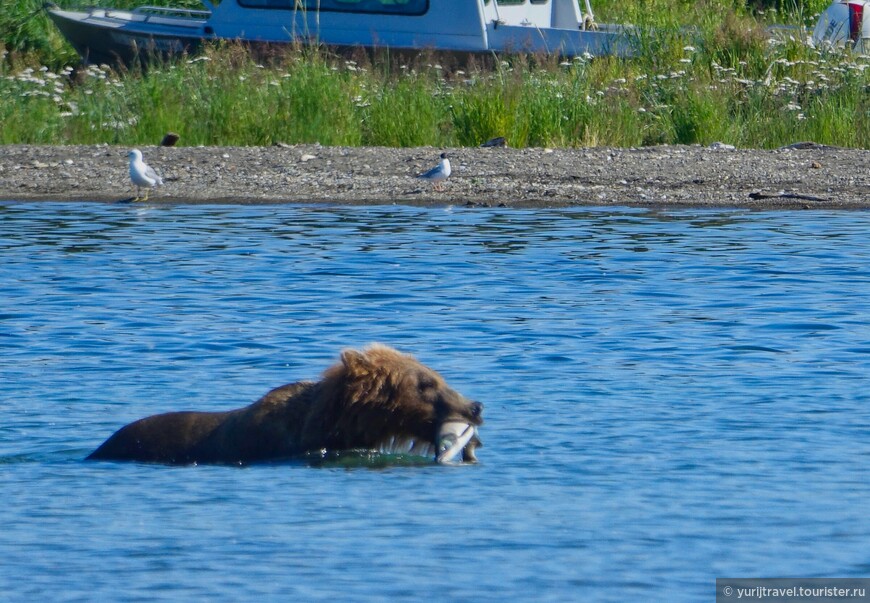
pixel 377 398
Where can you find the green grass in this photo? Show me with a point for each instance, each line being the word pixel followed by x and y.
pixel 706 72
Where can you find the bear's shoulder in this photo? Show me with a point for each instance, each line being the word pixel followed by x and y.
pixel 300 393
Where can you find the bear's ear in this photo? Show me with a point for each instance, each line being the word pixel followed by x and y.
pixel 355 362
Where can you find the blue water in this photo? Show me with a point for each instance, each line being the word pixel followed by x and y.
pixel 671 396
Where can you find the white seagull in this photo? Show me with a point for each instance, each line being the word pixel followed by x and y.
pixel 142 175
pixel 438 174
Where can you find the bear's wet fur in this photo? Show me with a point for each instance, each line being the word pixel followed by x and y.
pixel 372 399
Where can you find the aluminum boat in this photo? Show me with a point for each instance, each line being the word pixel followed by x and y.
pixel 561 27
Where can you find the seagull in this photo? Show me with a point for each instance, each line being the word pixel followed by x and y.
pixel 142 175
pixel 438 174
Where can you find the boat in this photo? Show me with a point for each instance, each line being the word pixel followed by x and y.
pixel 553 27
pixel 844 24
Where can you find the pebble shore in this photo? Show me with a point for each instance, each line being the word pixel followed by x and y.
pixel 800 176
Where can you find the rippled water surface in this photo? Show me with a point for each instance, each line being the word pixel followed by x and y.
pixel 670 397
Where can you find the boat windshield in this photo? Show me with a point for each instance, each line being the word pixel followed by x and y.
pixel 402 7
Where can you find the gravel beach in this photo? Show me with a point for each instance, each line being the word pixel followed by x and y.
pixel 800 176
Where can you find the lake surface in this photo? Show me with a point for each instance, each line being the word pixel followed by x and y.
pixel 670 396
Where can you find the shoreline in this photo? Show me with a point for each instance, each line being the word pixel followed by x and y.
pixel 805 176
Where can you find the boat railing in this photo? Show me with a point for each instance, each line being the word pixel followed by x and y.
pixel 165 11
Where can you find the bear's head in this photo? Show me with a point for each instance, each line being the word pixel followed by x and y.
pixel 382 399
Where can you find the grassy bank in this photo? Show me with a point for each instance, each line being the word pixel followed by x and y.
pixel 726 82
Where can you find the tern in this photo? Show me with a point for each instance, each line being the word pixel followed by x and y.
pixel 438 174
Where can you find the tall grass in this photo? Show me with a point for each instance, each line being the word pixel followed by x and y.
pixel 722 79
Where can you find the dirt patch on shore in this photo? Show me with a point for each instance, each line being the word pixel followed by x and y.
pixel 804 176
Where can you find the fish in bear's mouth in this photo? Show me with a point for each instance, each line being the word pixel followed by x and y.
pixel 455 437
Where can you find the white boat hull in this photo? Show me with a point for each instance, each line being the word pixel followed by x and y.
pixel 845 23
